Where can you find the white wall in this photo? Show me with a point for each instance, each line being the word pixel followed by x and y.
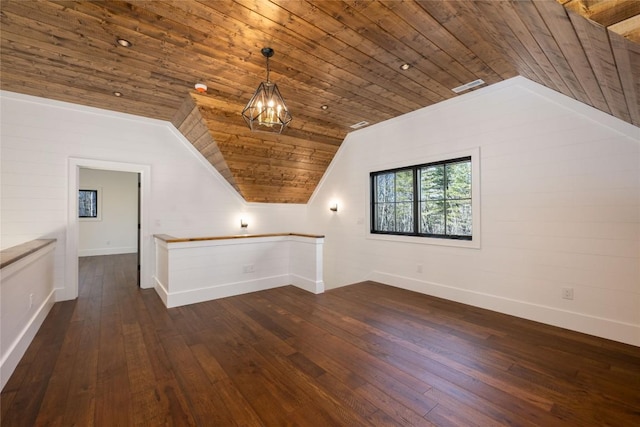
pixel 195 271
pixel 26 296
pixel 115 231
pixel 41 137
pixel 560 207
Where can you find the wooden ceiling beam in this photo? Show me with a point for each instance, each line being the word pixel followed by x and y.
pixel 629 28
pixel 604 12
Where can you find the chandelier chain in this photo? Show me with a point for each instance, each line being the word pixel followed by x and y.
pixel 268 69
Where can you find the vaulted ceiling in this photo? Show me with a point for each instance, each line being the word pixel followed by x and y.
pixel 345 55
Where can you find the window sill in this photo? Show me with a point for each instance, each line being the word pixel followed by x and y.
pixel 434 241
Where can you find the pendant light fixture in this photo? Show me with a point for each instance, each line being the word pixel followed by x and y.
pixel 266 111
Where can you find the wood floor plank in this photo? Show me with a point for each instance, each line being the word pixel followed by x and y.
pixel 393 408
pixel 205 406
pixel 30 392
pixel 237 405
pixel 341 347
pixel 113 405
pixel 61 378
pixel 417 371
pixel 457 411
pixel 272 396
pixel 84 378
pixel 361 355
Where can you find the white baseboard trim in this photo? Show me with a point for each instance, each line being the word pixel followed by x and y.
pixel 313 286
pixel 176 299
pixel 107 251
pixel 17 349
pixel 592 325
pixel 161 290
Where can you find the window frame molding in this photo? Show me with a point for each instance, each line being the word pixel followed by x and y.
pixel 474 242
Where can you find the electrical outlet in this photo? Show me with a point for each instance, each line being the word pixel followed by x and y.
pixel 567 293
pixel 30 300
pixel 419 268
pixel 249 268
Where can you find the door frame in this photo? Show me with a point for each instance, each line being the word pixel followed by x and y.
pixel 70 290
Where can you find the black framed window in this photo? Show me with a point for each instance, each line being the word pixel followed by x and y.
pixel 428 200
pixel 88 203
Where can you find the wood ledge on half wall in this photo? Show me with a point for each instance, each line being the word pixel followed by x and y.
pixel 170 239
pixel 15 253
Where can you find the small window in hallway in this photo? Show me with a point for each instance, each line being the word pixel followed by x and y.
pixel 88 204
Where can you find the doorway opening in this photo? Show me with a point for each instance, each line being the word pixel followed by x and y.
pixel 109 213
pixel 143 238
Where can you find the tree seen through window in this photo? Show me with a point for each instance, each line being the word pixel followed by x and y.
pixel 88 203
pixel 437 194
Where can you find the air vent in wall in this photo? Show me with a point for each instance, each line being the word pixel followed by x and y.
pixel 359 125
pixel 468 86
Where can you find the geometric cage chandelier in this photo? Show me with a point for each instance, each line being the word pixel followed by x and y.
pixel 266 110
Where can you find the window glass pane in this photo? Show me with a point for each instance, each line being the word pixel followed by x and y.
pixel 459 217
pixel 385 217
pixel 404 186
pixel 432 183
pixel 432 217
pixel 459 180
pixel 88 203
pixel 385 187
pixel 443 204
pixel 404 217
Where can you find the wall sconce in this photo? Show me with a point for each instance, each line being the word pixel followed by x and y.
pixel 243 223
pixel 334 207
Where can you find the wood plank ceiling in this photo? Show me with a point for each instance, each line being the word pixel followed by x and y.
pixel 346 55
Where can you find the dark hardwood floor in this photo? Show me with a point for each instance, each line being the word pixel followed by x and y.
pixel 364 354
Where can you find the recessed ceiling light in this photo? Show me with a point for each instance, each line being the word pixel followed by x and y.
pixel 405 67
pixel 118 94
pixel 201 87
pixel 124 42
pixel 324 107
